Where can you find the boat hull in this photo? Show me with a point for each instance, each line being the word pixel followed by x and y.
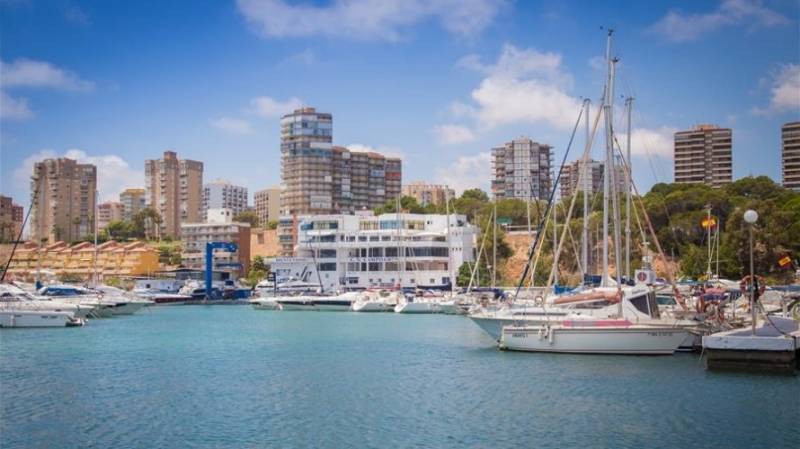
pixel 590 340
pixel 418 307
pixel 31 318
pixel 372 306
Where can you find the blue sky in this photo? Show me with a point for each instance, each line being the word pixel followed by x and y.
pixel 438 82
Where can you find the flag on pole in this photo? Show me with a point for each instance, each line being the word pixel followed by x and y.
pixel 709 222
pixel 785 261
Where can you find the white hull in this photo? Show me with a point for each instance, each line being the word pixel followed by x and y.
pixel 265 304
pixel 128 308
pixel 451 308
pixel 373 306
pixel 633 339
pixel 31 318
pixel 418 307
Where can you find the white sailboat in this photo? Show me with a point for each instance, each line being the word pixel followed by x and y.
pixel 616 333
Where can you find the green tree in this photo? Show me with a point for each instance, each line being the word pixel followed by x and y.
pixel 272 224
pixel 247 216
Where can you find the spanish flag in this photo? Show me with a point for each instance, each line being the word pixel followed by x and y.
pixel 709 222
pixel 785 261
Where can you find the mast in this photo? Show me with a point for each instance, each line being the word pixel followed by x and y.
pixel 607 113
pixel 585 180
pixel 555 242
pixel 494 247
pixel 628 180
pixel 401 257
pixel 449 242
pixel 708 237
pixel 615 196
pixel 96 208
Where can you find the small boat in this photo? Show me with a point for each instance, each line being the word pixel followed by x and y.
pixel 377 301
pixel 419 304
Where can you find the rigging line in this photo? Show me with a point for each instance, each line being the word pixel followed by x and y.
pixel 549 204
pixel 19 235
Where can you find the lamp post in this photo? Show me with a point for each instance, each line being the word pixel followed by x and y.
pixel 751 216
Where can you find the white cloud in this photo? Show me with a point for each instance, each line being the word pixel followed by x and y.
pixel 650 142
pixel 387 151
pixel 14 108
pixel 453 134
pixel 523 86
pixel 679 27
pixel 467 172
pixel 366 19
pixel 114 174
pixel 29 73
pixel 76 15
pixel 784 90
pixel 270 108
pixel 231 125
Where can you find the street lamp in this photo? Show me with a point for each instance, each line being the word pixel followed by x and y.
pixel 751 216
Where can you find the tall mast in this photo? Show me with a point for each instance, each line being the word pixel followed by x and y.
pixel 585 181
pixel 555 242
pixel 607 113
pixel 494 247
pixel 628 181
pixel 401 269
pixel 96 208
pixel 449 243
pixel 708 230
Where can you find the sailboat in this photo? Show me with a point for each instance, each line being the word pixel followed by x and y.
pixel 635 327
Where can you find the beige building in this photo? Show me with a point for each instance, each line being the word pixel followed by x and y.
pixel 114 259
pixel 267 204
pixel 174 188
pixel 220 227
pixel 264 243
pixel 790 155
pixel 426 194
pixel 63 195
pixel 11 217
pixel 108 212
pixel 703 155
pixel 133 201
pixel 521 169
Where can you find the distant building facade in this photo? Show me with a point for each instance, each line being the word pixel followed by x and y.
pixel 590 183
pixel 63 195
pixel 133 201
pixel 11 217
pixel 790 155
pixel 108 212
pixel 522 169
pixel 267 205
pixel 174 188
pixel 221 194
pixel 219 227
pixel 426 194
pixel 703 155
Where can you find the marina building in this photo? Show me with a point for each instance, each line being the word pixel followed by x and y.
pixel 703 155
pixel 108 212
pixel 11 217
pixel 174 188
pixel 133 201
pixel 364 250
pixel 267 204
pixel 220 194
pixel 63 195
pixel 425 194
pixel 790 155
pixel 114 259
pixel 219 227
pixel 522 169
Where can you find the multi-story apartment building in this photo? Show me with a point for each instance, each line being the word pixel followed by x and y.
pixel 306 162
pixel 426 194
pixel 220 194
pixel 175 190
pixel 267 204
pixel 219 227
pixel 790 155
pixel 319 178
pixel 108 212
pixel 133 201
pixel 11 217
pixel 363 250
pixel 521 169
pixel 703 155
pixel 63 195
pixel 591 181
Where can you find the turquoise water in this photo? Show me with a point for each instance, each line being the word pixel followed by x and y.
pixel 219 377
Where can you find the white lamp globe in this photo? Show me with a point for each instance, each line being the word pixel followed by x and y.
pixel 751 216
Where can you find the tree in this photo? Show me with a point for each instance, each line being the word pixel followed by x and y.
pixel 145 221
pixel 247 216
pixel 259 264
pixel 272 224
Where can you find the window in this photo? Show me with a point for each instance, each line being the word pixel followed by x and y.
pixel 327 266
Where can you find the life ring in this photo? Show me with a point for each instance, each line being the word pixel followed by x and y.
pixel 744 284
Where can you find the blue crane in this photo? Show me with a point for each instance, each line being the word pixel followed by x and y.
pixel 210 247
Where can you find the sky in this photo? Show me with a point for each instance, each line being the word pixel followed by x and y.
pixel 436 82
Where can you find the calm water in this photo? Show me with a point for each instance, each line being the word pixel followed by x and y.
pixel 209 377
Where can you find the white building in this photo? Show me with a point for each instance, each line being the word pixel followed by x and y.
pixel 362 251
pixel 220 194
pixel 521 169
pixel 219 227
